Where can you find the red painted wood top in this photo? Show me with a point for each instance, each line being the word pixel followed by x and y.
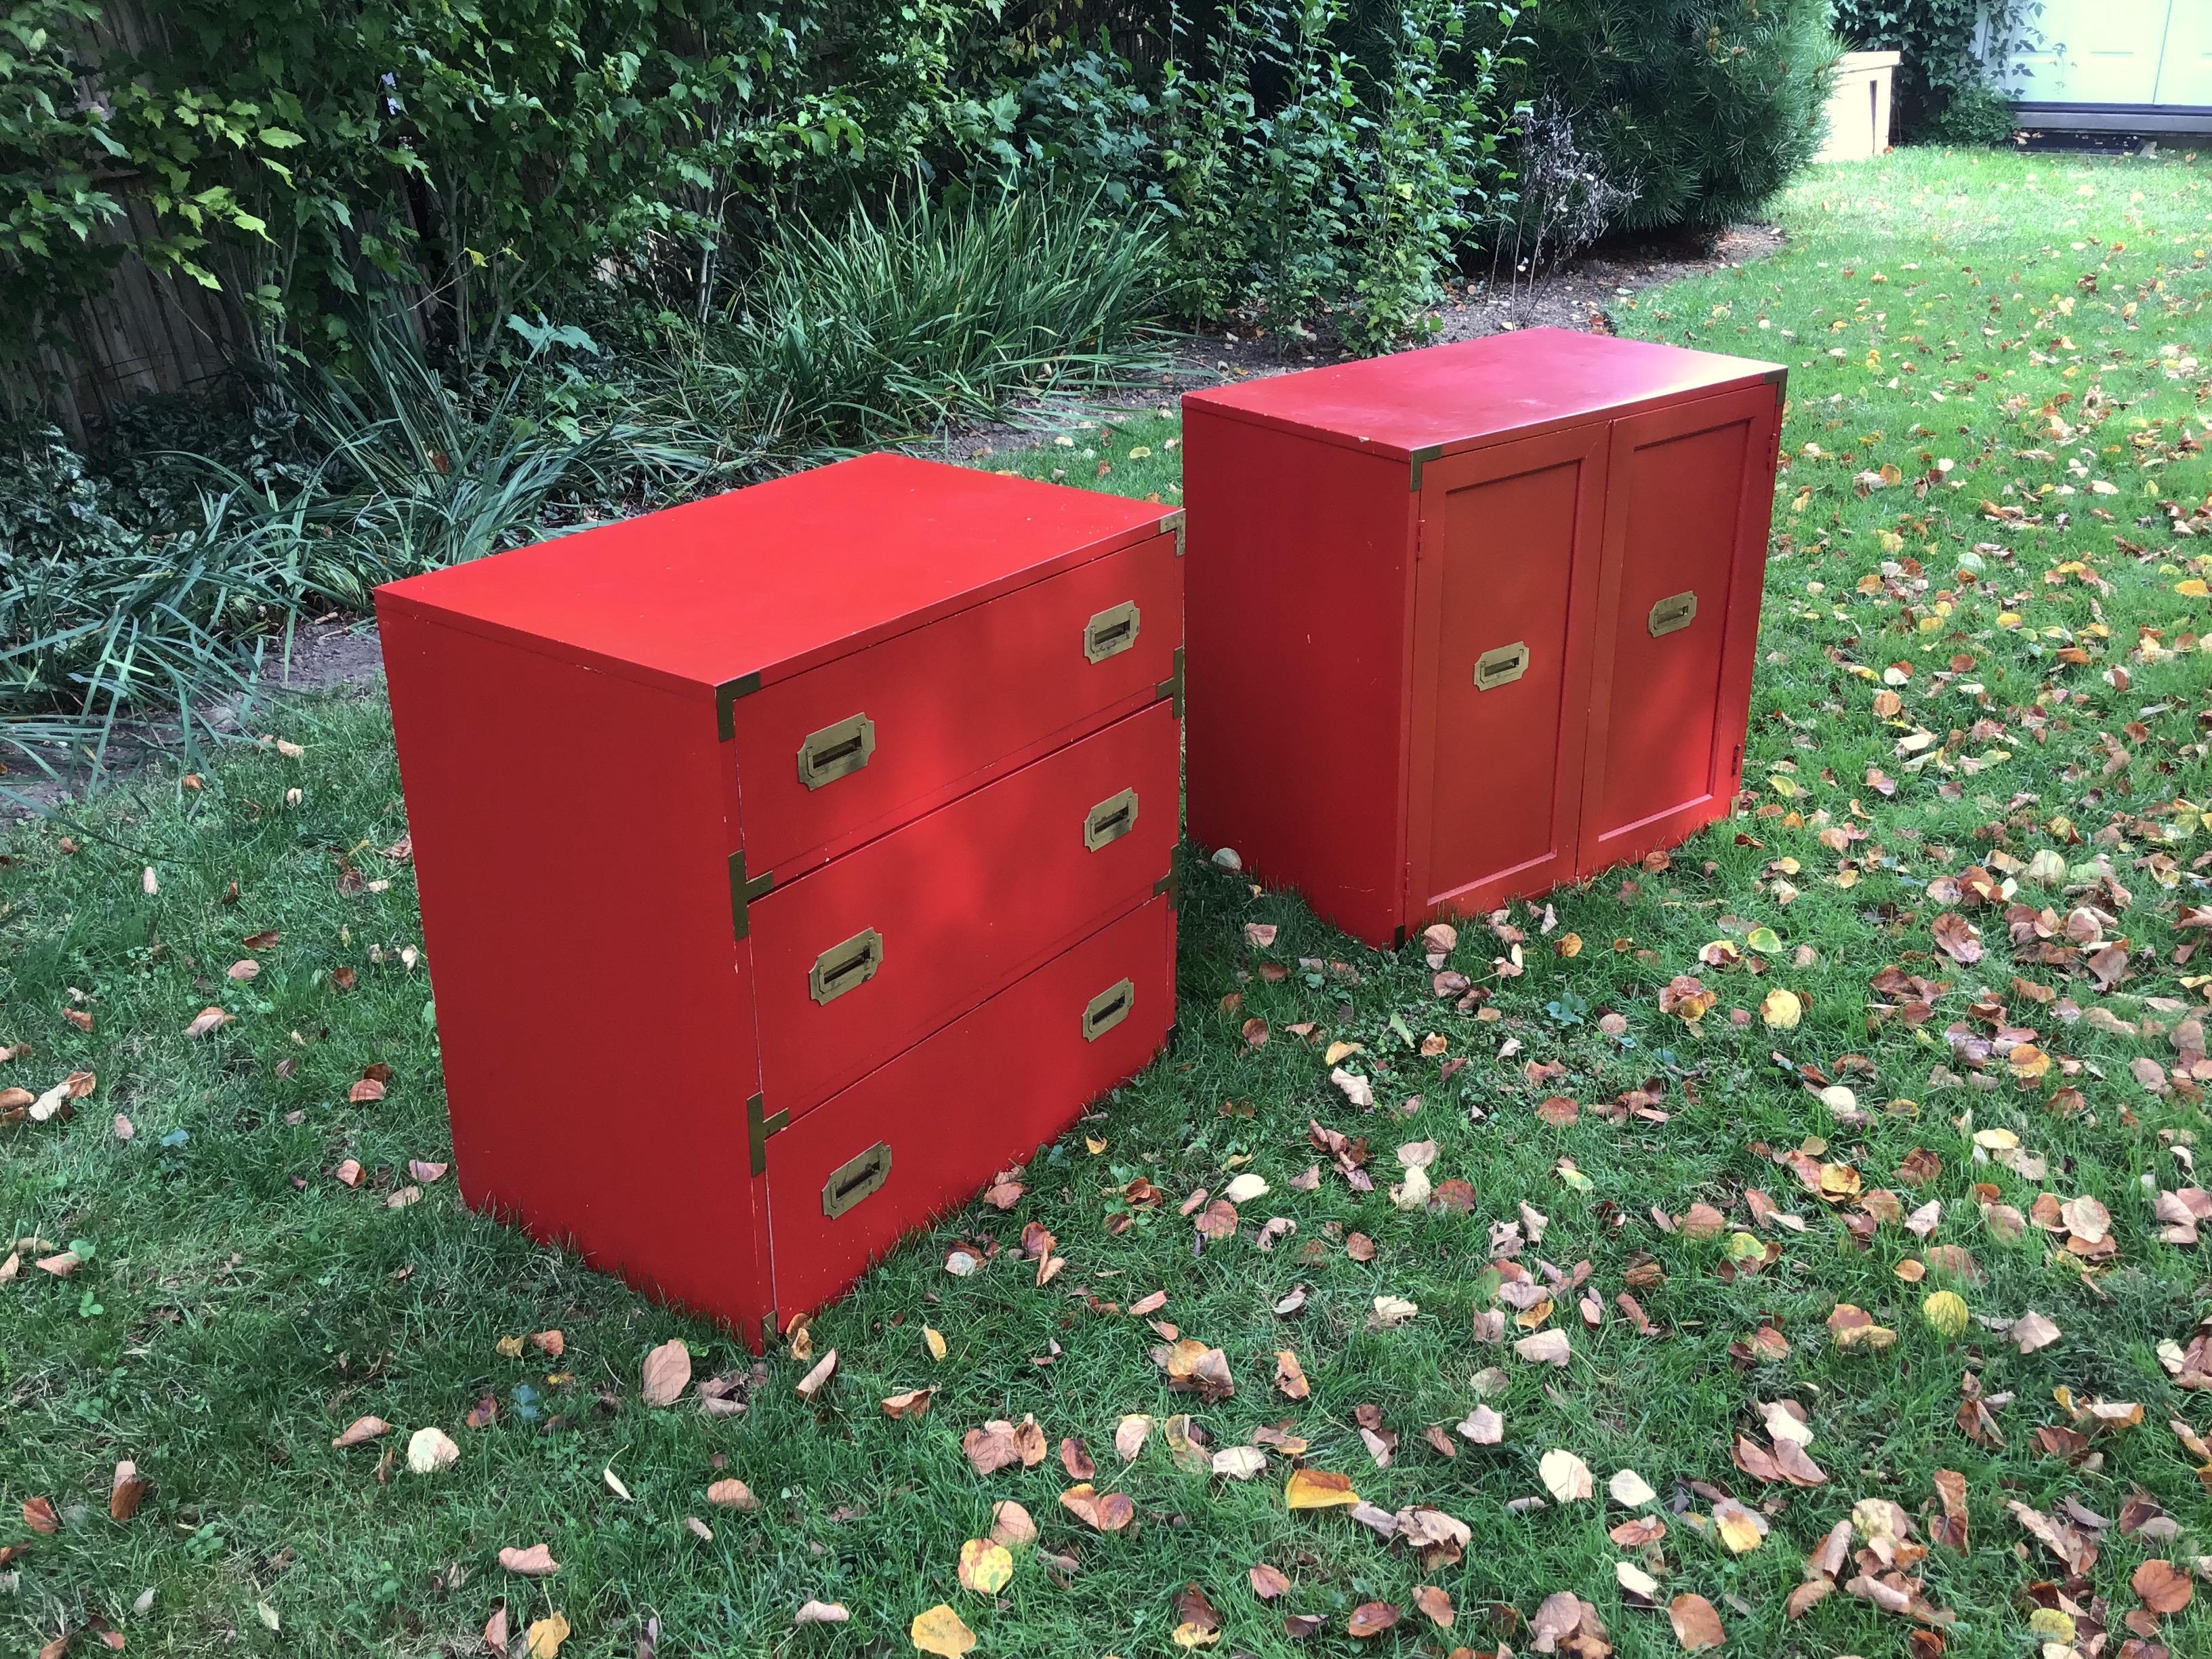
pixel 1447 398
pixel 784 576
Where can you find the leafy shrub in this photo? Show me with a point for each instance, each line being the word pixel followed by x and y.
pixel 882 325
pixel 169 593
pixel 1703 108
pixel 1974 114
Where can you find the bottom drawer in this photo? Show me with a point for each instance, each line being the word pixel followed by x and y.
pixel 922 1133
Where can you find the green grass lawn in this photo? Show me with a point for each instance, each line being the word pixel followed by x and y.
pixel 1981 646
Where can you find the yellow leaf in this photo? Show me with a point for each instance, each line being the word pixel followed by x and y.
pixel 2193 588
pixel 1340 1050
pixel 940 1632
pixel 1318 1489
pixel 1946 1313
pixel 1763 938
pixel 1737 1529
pixel 934 1341
pixel 545 1637
pixel 1781 1009
pixel 985 1567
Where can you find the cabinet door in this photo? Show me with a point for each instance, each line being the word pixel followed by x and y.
pixel 1690 494
pixel 1505 595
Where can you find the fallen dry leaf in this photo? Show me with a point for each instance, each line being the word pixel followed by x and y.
pixel 126 1492
pixel 732 1494
pixel 1696 1626
pixel 544 1637
pixel 1318 1489
pixel 1268 1583
pixel 985 1566
pixel 915 1402
pixel 429 1451
pixel 535 1562
pixel 1372 1619
pixel 1436 1604
pixel 940 1631
pixel 818 1379
pixel 360 1430
pixel 1106 1511
pixel 1565 1476
pixel 1011 1525
pixel 666 1374
pixel 1130 1434
pixel 2164 1588
pixel 1628 1489
pixel 821 1612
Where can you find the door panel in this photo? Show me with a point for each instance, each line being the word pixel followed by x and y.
pixel 920 1136
pixel 2100 51
pixel 2185 72
pixel 1506 588
pixel 1677 624
pixel 854 961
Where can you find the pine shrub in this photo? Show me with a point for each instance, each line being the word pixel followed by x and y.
pixel 1701 108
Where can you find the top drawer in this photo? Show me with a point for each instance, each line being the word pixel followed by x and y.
pixel 841 753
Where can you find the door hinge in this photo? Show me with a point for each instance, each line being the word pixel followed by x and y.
pixel 759 1128
pixel 743 890
pixel 1172 686
pixel 1735 761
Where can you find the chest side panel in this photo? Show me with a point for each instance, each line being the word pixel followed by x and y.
pixel 1300 601
pixel 1507 584
pixel 597 1038
pixel 937 705
pixel 1690 496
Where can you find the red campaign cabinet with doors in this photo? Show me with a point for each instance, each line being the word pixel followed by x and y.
pixel 791 861
pixel 1472 621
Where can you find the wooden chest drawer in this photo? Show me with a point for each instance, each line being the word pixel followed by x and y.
pixel 847 1182
pixel 862 957
pixel 751 797
pixel 828 758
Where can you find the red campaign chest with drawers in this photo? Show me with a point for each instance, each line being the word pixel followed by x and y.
pixel 1472 621
pixel 791 861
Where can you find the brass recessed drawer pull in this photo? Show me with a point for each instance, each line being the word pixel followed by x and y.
pixel 1110 820
pixel 1107 1009
pixel 855 1179
pixel 843 967
pixel 1676 610
pixel 1501 666
pixel 837 752
pixel 1112 631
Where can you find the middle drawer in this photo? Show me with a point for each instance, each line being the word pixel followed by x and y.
pixel 858 960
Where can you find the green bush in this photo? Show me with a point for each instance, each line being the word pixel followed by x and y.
pixel 880 327
pixel 1701 108
pixel 165 586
